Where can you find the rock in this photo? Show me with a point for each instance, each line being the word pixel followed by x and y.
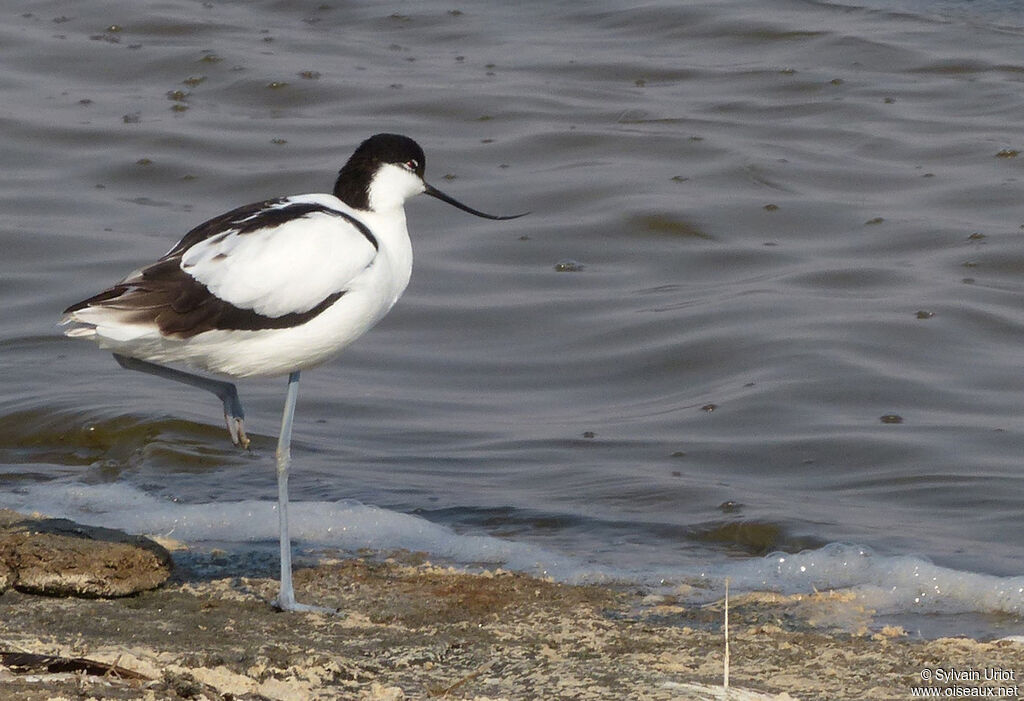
pixel 58 557
pixel 6 577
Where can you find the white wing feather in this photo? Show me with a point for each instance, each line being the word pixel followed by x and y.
pixel 289 267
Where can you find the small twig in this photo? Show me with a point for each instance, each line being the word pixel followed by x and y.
pixel 469 677
pixel 11 647
pixel 28 663
pixel 725 674
pixel 115 668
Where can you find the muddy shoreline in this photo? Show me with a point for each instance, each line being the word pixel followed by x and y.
pixel 413 630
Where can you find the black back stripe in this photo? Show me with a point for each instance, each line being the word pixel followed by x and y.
pixel 276 216
pixel 363 228
pixel 263 215
pixel 222 225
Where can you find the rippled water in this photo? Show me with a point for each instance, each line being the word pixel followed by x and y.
pixel 768 299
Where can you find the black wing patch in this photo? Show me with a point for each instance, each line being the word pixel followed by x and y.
pixel 182 307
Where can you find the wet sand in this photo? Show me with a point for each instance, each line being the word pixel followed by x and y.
pixel 412 630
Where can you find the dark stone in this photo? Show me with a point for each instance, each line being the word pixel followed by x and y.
pixel 58 557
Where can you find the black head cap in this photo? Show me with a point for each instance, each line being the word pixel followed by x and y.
pixel 352 186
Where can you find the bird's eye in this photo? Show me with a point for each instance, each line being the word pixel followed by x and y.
pixel 411 165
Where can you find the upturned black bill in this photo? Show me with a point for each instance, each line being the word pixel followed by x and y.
pixel 434 192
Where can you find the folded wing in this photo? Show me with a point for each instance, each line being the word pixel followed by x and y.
pixel 273 264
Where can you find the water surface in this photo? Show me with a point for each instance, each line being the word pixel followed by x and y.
pixel 768 298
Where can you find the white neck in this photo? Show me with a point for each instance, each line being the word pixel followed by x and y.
pixel 391 186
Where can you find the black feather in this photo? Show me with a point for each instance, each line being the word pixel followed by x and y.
pixel 181 306
pixel 353 184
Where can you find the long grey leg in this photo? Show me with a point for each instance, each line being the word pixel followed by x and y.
pixel 286 599
pixel 234 416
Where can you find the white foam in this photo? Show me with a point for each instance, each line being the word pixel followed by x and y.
pixel 347 525
pixel 885 584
